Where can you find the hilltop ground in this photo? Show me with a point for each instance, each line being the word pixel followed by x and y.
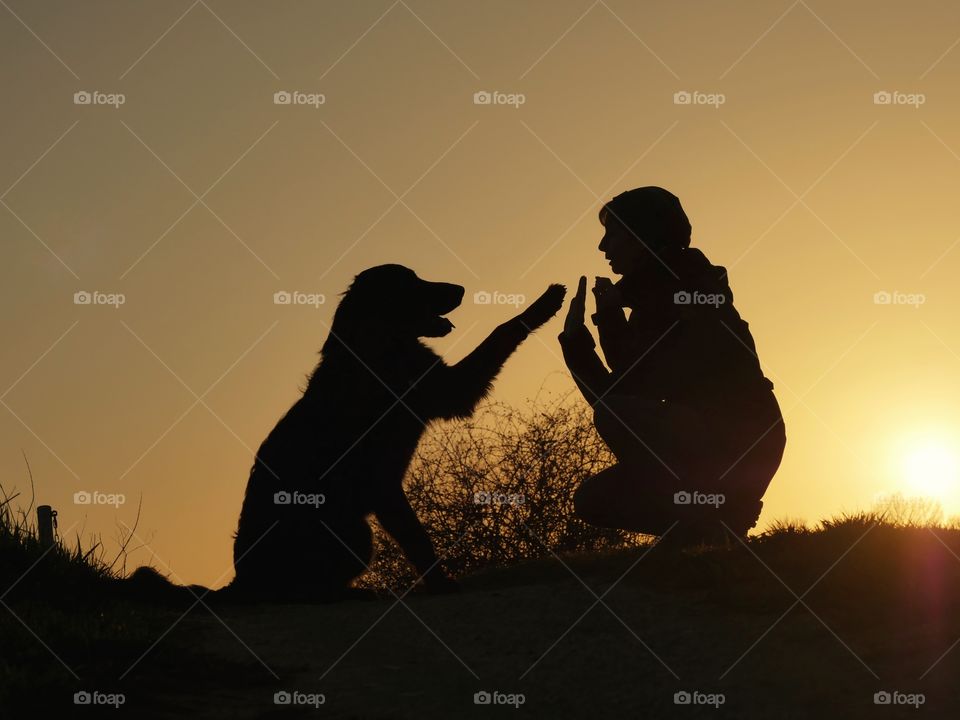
pixel 882 615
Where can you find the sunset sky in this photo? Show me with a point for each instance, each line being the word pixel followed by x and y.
pixel 198 198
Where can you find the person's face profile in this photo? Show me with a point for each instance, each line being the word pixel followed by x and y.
pixel 623 251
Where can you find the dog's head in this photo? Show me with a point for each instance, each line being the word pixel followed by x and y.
pixel 391 300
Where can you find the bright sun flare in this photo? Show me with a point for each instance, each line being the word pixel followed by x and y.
pixel 929 468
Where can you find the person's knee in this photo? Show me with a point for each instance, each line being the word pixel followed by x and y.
pixel 582 503
pixel 588 505
pixel 629 426
pixel 609 425
pixel 602 418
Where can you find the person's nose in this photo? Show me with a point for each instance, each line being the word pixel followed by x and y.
pixel 602 247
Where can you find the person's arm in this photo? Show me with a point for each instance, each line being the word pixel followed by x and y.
pixel 616 339
pixel 579 350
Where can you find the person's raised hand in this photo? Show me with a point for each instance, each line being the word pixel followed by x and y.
pixel 577 309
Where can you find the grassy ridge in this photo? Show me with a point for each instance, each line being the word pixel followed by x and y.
pixel 887 587
pixel 836 611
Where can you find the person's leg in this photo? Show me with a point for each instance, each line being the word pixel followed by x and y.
pixel 640 433
pixel 619 497
pixel 637 494
pixel 674 474
pixel 745 475
pixel 648 502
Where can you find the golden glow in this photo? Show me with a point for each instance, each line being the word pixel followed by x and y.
pixel 929 468
pixel 816 199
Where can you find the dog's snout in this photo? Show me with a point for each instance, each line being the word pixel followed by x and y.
pixel 449 295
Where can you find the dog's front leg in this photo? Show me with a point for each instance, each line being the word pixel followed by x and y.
pixel 455 391
pixel 401 522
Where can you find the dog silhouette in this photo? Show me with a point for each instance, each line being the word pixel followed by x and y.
pixel 341 451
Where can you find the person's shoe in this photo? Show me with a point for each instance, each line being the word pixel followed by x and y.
pixel 742 516
pixel 733 520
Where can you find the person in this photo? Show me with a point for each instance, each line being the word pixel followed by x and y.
pixel 684 405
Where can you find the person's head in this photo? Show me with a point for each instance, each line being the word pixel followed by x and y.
pixel 640 226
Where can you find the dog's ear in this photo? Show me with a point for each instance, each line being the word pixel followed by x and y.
pixel 367 311
pixel 355 317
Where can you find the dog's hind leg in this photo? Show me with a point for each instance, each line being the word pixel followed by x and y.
pixel 343 553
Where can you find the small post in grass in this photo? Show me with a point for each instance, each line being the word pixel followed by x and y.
pixel 46 522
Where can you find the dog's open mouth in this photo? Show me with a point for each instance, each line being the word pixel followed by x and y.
pixel 444 298
pixel 438 326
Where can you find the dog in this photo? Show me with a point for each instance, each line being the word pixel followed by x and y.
pixel 341 452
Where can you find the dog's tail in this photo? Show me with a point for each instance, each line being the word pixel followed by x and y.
pixel 146 584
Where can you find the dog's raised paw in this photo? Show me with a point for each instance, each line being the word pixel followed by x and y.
pixel 545 306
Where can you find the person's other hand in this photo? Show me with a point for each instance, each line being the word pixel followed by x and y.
pixel 577 309
pixel 606 295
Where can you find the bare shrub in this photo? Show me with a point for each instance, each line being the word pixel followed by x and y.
pixel 908 511
pixel 498 488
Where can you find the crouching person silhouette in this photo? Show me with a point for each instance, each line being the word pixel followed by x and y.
pixel 684 405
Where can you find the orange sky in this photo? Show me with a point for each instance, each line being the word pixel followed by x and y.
pixel 198 198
